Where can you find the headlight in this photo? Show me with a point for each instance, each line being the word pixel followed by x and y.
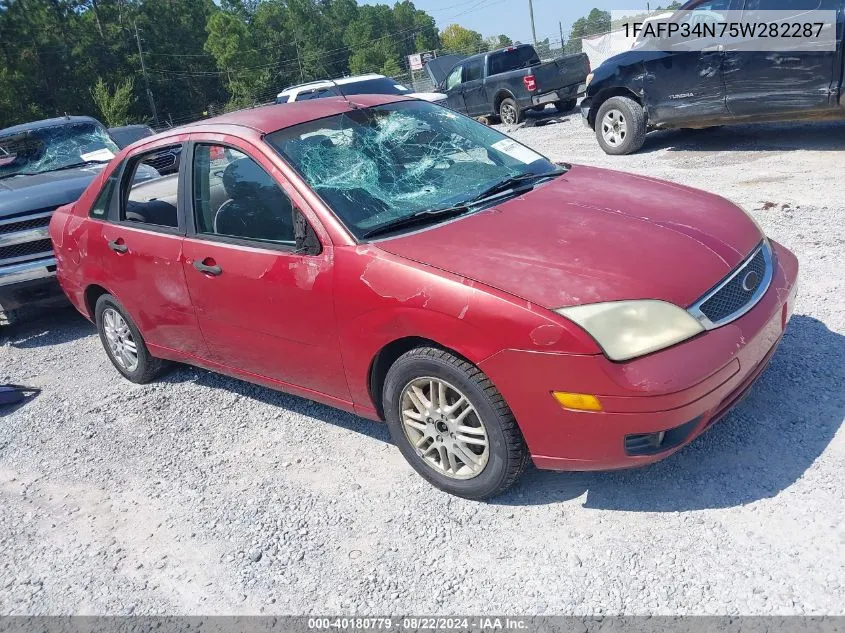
pixel 589 79
pixel 627 329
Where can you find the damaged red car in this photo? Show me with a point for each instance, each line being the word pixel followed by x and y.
pixel 395 259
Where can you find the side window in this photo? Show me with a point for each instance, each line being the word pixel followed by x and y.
pixel 793 6
pixel 149 197
pixel 100 208
pixel 473 72
pixel 235 197
pixel 454 78
pixel 282 99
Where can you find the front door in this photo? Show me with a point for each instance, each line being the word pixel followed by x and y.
pixel 787 79
pixel 264 301
pixel 454 89
pixel 686 85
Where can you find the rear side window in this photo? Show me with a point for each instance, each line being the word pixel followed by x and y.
pixel 100 208
pixel 282 99
pixel 150 198
pixel 235 197
pixel 512 59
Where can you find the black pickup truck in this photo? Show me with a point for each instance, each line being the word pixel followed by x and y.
pixel 509 81
pixel 43 165
pixel 646 89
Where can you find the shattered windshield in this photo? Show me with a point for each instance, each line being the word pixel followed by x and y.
pixel 378 165
pixel 60 146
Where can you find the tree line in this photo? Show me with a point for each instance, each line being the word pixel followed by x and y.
pixel 85 56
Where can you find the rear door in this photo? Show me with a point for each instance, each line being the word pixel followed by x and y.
pixel 259 278
pixel 764 82
pixel 136 242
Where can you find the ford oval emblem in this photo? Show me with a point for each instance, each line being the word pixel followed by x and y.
pixel 750 281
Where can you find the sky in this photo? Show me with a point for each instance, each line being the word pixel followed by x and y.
pixel 492 17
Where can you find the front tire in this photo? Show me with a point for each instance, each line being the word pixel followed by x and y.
pixel 452 424
pixel 123 342
pixel 620 126
pixel 510 112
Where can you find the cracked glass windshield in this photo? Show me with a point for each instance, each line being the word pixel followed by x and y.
pixel 54 147
pixel 378 167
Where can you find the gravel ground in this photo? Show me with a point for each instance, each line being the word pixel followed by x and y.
pixel 205 495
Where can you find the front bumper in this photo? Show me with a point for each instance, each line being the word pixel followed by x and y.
pixel 30 285
pixel 653 405
pixel 586 104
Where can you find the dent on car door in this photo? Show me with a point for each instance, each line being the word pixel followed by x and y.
pixel 683 83
pixel 260 280
pixel 137 245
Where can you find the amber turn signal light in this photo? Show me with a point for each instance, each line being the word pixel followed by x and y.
pixel 577 401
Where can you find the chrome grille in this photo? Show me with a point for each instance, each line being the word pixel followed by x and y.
pixel 24 224
pixel 19 252
pixel 738 292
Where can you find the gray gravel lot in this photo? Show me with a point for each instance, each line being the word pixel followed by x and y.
pixel 202 494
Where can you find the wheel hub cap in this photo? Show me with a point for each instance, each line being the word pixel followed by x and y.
pixel 122 346
pixel 444 428
pixel 614 128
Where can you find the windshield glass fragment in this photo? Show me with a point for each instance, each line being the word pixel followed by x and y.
pixel 56 147
pixel 378 165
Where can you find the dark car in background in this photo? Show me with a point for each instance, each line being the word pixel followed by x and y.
pixel 43 165
pixel 165 162
pixel 647 88
pixel 509 81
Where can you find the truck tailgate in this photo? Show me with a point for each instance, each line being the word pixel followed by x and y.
pixel 564 71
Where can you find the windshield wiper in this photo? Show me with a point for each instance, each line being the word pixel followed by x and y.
pixel 514 182
pixel 425 216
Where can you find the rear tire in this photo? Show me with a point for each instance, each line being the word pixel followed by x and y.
pixel 124 344
pixel 510 112
pixel 435 432
pixel 620 126
pixel 565 107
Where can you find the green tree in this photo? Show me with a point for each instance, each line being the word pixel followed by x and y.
pixel 498 41
pixel 457 39
pixel 595 23
pixel 114 105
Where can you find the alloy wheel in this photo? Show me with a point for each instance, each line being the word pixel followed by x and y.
pixel 614 128
pixel 508 114
pixel 122 346
pixel 444 428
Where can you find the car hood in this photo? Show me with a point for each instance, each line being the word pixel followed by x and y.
pixel 43 191
pixel 428 96
pixel 592 235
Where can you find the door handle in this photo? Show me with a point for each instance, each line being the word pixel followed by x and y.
pixel 208 268
pixel 118 246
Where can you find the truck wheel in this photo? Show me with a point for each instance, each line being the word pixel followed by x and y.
pixel 509 112
pixel 565 106
pixel 620 126
pixel 452 424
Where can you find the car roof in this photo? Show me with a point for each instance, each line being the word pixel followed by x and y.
pixel 36 125
pixel 497 50
pixel 326 83
pixel 271 118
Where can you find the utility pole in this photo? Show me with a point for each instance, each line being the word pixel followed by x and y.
pixel 560 26
pixel 533 28
pixel 144 72
pixel 298 58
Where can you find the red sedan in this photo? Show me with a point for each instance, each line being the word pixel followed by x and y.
pixel 392 258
